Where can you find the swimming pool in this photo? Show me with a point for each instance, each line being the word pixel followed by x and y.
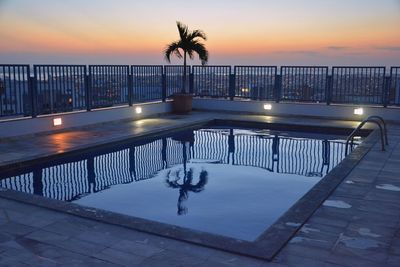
pixel 227 184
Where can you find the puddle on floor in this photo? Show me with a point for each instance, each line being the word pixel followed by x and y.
pixel 293 224
pixel 389 187
pixel 358 243
pixel 299 239
pixel 308 230
pixel 336 204
pixel 367 232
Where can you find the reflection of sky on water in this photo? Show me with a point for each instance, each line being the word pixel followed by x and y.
pixel 237 201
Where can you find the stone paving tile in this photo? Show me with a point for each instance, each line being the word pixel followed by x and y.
pixel 136 236
pixel 300 250
pixel 76 245
pixel 15 252
pixel 144 250
pixel 189 249
pixel 35 220
pixel 393 260
pixel 47 237
pixel 378 232
pixel 230 259
pixel 68 227
pixel 316 237
pixel 5 237
pixel 163 261
pixel 373 255
pixel 17 228
pixel 380 207
pixel 65 242
pixel 274 264
pixel 356 190
pixel 119 257
pixel 350 261
pixel 12 263
pixel 56 256
pixel 102 238
pixel 376 219
pixel 363 175
pixel 325 218
pixel 172 258
pixel 299 261
pixel 376 194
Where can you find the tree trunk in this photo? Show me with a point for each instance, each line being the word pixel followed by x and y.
pixel 184 74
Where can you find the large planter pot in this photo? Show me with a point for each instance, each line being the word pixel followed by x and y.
pixel 182 103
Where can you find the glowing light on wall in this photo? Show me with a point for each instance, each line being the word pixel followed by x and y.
pixel 57 122
pixel 358 111
pixel 138 110
pixel 267 106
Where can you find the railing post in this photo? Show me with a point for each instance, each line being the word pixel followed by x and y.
pixel 33 93
pixel 191 83
pixel 328 90
pixel 386 91
pixel 88 89
pixel 278 87
pixel 232 78
pixel 130 89
pixel 163 86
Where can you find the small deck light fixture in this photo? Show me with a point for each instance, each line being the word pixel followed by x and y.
pixel 358 111
pixel 267 106
pixel 138 110
pixel 57 121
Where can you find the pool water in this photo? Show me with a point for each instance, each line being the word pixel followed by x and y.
pixel 227 181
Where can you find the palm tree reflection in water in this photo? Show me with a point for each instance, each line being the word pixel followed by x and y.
pixel 186 186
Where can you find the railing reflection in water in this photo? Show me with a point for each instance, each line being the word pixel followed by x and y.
pixel 70 180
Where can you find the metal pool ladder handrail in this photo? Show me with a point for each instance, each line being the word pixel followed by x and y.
pixel 374 119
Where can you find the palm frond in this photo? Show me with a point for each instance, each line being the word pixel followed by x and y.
pixel 201 50
pixel 183 30
pixel 197 34
pixel 190 53
pixel 172 48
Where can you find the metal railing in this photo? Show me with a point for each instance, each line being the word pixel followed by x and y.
pixel 15 94
pixel 211 81
pixel 174 79
pixel 147 83
pixel 59 88
pixel 109 85
pixel 358 85
pixel 46 89
pixel 304 84
pixel 255 82
pixel 393 95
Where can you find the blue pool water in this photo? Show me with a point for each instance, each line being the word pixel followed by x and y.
pixel 226 181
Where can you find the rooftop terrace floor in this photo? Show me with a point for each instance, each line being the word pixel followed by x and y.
pixel 360 226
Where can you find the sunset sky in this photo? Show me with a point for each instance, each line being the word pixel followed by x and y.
pixel 253 32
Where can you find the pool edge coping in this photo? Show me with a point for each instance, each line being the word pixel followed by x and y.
pixel 266 246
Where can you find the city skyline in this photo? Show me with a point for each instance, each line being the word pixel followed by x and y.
pixel 255 32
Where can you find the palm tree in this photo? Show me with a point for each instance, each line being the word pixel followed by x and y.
pixel 189 43
pixel 186 186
